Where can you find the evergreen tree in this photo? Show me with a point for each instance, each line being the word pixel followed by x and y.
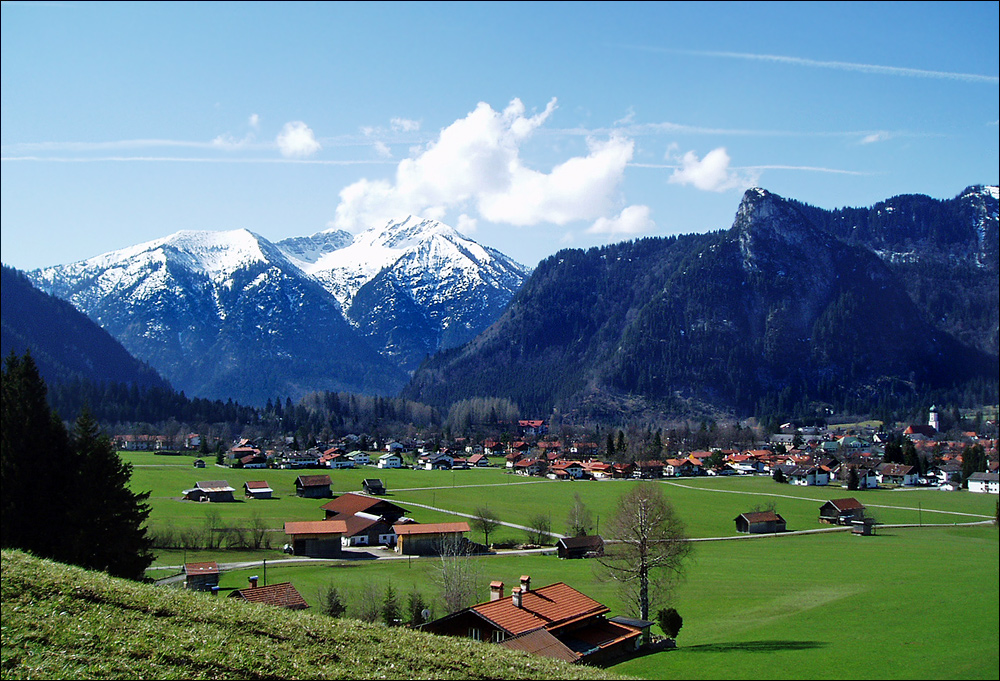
pixel 109 518
pixel 65 500
pixel 390 606
pixel 34 463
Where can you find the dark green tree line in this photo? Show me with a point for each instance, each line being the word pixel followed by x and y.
pixel 65 495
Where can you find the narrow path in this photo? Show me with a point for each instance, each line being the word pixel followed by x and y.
pixel 823 501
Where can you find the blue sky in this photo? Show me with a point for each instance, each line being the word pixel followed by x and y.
pixel 532 127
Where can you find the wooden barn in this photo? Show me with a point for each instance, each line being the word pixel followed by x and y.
pixel 841 511
pixel 760 522
pixel 257 489
pixel 580 547
pixel 313 486
pixel 210 490
pixel 316 538
pixel 416 539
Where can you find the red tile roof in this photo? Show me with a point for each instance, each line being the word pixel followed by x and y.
pixel 210 568
pixel 281 595
pixel 549 606
pixel 316 527
pixel 541 642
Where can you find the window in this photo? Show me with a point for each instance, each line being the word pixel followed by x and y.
pixel 475 634
pixel 498 636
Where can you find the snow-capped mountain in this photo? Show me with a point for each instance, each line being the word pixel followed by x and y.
pixel 413 286
pixel 223 314
pixel 230 314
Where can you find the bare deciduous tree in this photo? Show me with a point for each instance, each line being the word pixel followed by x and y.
pixel 485 521
pixel 645 547
pixel 458 575
pixel 579 521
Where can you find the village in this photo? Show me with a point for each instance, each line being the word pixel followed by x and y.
pixel 556 620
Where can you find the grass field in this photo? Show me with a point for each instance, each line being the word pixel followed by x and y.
pixel 916 602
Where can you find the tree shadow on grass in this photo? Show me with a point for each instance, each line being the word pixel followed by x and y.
pixel 753 647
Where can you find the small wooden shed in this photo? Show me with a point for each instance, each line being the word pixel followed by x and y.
pixel 313 486
pixel 580 547
pixel 841 511
pixel 760 522
pixel 257 489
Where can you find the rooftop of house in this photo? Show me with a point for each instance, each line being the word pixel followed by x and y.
pixel 207 568
pixel 550 607
pixel 315 527
pixel 281 595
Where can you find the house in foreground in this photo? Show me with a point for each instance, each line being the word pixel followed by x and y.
pixel 281 595
pixel 554 621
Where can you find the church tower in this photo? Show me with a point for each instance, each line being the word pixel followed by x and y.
pixel 932 421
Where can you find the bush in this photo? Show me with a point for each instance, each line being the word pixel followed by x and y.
pixel 670 621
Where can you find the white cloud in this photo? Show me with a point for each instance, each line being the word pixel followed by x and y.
pixel 404 125
pixel 879 136
pixel 475 165
pixel 296 139
pixel 382 149
pixel 632 220
pixel 466 224
pixel 711 173
pixel 254 121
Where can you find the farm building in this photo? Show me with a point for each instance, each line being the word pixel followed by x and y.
pixel 210 490
pixel 313 486
pixel 760 522
pixel 841 511
pixel 349 504
pixel 554 621
pixel 580 547
pixel 372 486
pixel 257 489
pixel 416 539
pixel 201 576
pixel 281 595
pixel 316 538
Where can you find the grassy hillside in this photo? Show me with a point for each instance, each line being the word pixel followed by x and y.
pixel 66 623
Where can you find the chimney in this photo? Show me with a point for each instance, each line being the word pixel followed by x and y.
pixel 515 596
pixel 253 582
pixel 496 591
pixel 525 583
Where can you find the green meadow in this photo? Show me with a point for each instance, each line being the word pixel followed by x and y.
pixel 910 602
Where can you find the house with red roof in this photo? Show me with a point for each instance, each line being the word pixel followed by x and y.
pixel 554 621
pixel 281 595
pixel 201 576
